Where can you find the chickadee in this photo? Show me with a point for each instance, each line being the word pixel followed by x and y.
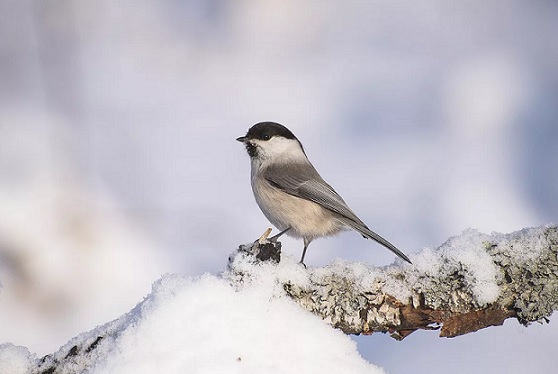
pixel 291 193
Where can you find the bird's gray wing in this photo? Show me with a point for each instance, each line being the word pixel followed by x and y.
pixel 305 182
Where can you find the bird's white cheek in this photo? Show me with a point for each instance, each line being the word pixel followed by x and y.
pixel 280 149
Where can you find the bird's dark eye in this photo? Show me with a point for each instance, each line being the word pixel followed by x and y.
pixel 266 137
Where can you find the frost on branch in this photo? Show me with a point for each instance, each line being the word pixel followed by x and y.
pixel 470 282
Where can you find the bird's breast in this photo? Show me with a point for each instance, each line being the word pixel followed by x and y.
pixel 306 218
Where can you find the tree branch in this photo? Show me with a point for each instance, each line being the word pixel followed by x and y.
pixel 471 282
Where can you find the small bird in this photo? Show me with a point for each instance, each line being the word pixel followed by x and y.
pixel 292 194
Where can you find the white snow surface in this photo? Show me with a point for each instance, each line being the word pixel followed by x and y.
pixel 15 359
pixel 205 325
pixel 465 253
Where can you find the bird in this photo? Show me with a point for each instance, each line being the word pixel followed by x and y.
pixel 291 193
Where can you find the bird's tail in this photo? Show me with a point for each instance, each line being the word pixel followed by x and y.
pixel 369 234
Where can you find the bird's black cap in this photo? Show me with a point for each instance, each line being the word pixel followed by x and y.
pixel 267 130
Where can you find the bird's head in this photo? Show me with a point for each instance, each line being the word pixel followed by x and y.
pixel 271 141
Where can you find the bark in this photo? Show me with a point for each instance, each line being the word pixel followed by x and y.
pixel 450 298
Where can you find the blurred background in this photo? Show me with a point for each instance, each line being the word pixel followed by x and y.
pixel 118 159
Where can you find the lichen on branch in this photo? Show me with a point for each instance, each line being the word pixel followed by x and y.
pixel 470 282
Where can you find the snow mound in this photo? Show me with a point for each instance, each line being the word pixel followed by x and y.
pixel 205 325
pixel 15 359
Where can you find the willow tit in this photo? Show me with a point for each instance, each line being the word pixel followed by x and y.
pixel 291 193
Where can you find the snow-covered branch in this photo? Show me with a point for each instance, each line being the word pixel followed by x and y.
pixel 213 322
pixel 470 282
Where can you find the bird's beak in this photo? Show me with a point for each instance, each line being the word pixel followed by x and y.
pixel 241 139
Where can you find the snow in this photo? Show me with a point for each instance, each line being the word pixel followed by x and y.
pixel 465 255
pixel 521 246
pixel 205 325
pixel 15 359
